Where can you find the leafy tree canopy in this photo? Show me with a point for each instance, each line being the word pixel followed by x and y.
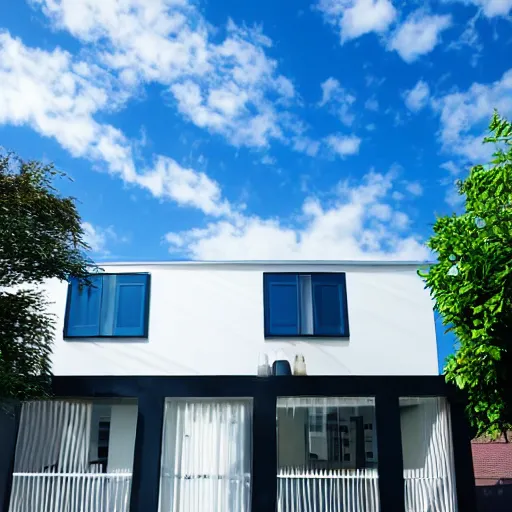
pixel 472 286
pixel 41 237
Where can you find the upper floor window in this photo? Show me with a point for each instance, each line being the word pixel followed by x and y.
pixel 305 305
pixel 112 305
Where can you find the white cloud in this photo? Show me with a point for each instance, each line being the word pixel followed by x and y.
pixel 144 40
pixel 414 188
pixel 418 34
pixel 343 145
pixel 464 117
pixel 185 186
pixel 98 238
pixel 228 86
pixel 371 104
pixel 492 8
pixel 451 167
pixel 330 88
pixel 354 18
pixel 58 98
pixel 357 224
pixel 469 38
pixel 268 160
pixel 452 196
pixel 338 100
pixel 417 97
pixel 306 145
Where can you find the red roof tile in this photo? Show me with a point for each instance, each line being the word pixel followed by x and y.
pixel 492 460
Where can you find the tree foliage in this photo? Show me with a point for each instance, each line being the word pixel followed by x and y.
pixel 41 237
pixel 472 286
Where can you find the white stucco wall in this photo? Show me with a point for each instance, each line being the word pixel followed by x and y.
pixel 207 319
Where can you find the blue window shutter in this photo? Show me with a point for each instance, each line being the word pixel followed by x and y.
pixel 282 307
pixel 130 306
pixel 84 308
pixel 329 307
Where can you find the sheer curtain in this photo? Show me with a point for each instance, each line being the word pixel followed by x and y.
pixel 52 469
pixel 53 437
pixel 427 453
pixel 206 456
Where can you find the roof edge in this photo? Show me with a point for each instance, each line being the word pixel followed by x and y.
pixel 349 263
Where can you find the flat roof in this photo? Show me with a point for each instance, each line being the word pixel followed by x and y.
pixel 346 263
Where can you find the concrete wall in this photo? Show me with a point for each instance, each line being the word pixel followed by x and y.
pixel 207 319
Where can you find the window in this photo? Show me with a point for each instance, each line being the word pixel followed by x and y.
pixel 330 471
pixel 429 472
pixel 113 305
pixel 316 421
pixel 206 455
pixel 57 466
pixel 305 305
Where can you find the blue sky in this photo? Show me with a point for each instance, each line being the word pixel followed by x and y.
pixel 326 129
pixel 330 129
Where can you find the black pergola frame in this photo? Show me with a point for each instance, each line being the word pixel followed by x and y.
pixel 151 392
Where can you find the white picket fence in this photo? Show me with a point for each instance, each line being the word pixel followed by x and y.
pixel 70 492
pixel 341 490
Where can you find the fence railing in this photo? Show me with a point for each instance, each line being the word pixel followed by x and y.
pixel 70 492
pixel 341 490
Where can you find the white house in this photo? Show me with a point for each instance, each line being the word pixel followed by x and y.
pixel 161 407
pixel 208 319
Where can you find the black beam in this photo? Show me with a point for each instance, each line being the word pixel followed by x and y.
pixel 463 458
pixel 247 386
pixel 146 462
pixel 10 423
pixel 389 453
pixel 264 450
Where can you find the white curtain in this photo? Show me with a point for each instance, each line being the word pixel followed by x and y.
pixel 51 468
pixel 427 453
pixel 53 437
pixel 206 456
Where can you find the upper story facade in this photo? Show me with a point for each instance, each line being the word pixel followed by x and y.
pixel 188 318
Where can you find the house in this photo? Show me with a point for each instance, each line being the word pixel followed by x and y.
pixel 492 461
pixel 159 406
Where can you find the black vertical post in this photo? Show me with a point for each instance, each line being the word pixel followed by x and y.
pixel 264 449
pixel 10 425
pixel 146 462
pixel 463 459
pixel 389 453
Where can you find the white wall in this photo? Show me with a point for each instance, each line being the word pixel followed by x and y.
pixel 207 319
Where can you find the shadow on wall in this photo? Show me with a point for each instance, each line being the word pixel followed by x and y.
pixel 495 498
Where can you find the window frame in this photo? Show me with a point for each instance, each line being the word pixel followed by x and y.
pixel 147 296
pixel 344 308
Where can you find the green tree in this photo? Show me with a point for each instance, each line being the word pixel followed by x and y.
pixel 41 237
pixel 472 286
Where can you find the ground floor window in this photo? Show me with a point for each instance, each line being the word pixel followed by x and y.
pixel 74 456
pixel 429 474
pixel 327 455
pixel 206 456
